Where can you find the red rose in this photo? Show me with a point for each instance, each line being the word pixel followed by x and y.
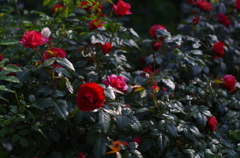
pixel 149 71
pixel 31 39
pixel 1 58
pixel 90 96
pixel 122 8
pixel 137 139
pixel 218 49
pixel 81 155
pixel 237 5
pixel 117 82
pixel 57 7
pixel 196 20
pixel 154 29
pixel 157 45
pixel 212 122
pixel 223 19
pixel 94 24
pixel 106 47
pixel 229 82
pixel 86 6
pixel 54 52
pixel 204 5
pixel 190 1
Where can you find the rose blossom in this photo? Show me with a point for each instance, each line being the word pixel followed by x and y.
pixel 218 49
pixel 106 47
pixel 56 7
pixel 154 29
pixel 46 32
pixel 203 4
pixel 229 82
pixel 237 5
pixel 122 8
pixel 81 155
pixel 90 96
pixel 31 39
pixel 86 6
pixel 117 82
pixel 54 52
pixel 155 89
pixel 94 24
pixel 196 20
pixel 156 45
pixel 1 57
pixel 212 123
pixel 137 139
pixel 148 70
pixel 223 19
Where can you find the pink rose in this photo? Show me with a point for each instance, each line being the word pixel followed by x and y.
pixel 117 82
pixel 212 123
pixel 218 49
pixel 31 39
pixel 137 139
pixel 122 8
pixel 229 82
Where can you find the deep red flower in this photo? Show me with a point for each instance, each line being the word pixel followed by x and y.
pixel 81 155
pixel 94 24
pixel 1 58
pixel 31 39
pixel 196 20
pixel 154 29
pixel 137 139
pixel 229 82
pixel 237 5
pixel 190 1
pixel 218 49
pixel 56 7
pixel 157 45
pixel 203 4
pixel 90 96
pixel 122 8
pixel 212 123
pixel 223 19
pixel 54 52
pixel 106 47
pixel 87 6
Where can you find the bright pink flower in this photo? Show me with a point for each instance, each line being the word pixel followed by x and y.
pixel 90 96
pixel 117 82
pixel 137 139
pixel 218 49
pixel 94 24
pixel 237 5
pixel 212 123
pixel 56 7
pixel 54 52
pixel 154 29
pixel 229 82
pixel 196 20
pixel 223 19
pixel 204 5
pixel 31 39
pixel 106 47
pixel 122 8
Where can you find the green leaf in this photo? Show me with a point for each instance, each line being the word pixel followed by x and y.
pixel 68 85
pixel 47 62
pixel 8 41
pixel 15 137
pixel 10 79
pixel 172 129
pixel 169 83
pixel 191 153
pixel 122 121
pixel 133 43
pixel 133 32
pixel 134 123
pixel 201 119
pixel 60 109
pixel 162 141
pixel 3 88
pixel 56 154
pixel 65 63
pixel 24 132
pixel 99 148
pixel 24 142
pixel 195 131
pixel 145 145
pixel 109 93
pixel 36 128
pixel 104 121
pixel 32 98
pixel 12 68
pixel 54 134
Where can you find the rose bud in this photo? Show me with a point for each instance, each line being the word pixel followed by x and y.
pixel 229 82
pixel 154 29
pixel 46 32
pixel 212 123
pixel 196 20
pixel 137 139
pixel 218 49
pixel 106 47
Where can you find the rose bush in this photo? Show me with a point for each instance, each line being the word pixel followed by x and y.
pixel 78 92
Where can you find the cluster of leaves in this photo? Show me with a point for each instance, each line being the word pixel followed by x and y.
pixel 38 111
